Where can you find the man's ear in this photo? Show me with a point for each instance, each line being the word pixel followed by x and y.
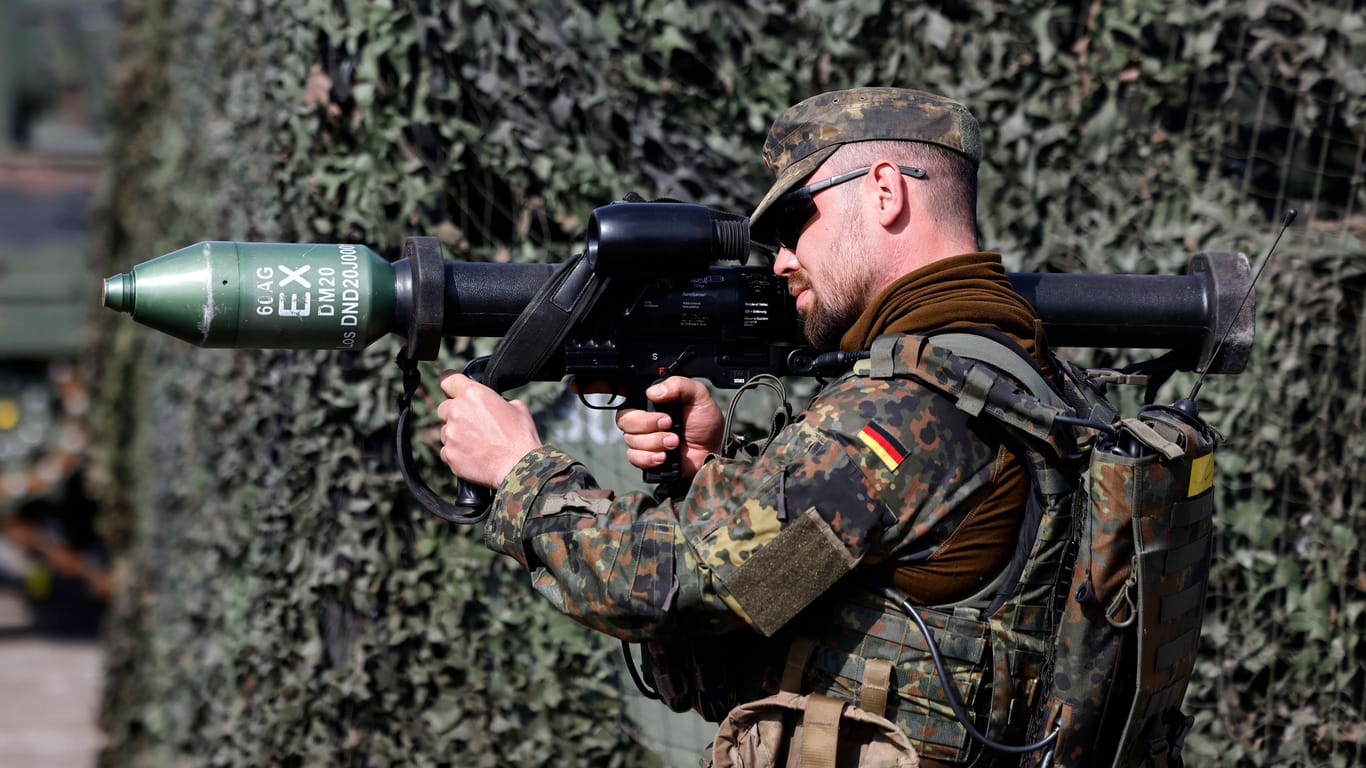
pixel 889 189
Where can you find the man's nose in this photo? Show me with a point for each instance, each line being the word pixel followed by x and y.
pixel 785 262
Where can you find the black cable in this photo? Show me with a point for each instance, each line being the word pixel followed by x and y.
pixel 645 691
pixel 1075 421
pixel 952 693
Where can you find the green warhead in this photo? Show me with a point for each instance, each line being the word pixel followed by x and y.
pixel 261 295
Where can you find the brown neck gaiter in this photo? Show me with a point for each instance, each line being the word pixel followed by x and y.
pixel 971 289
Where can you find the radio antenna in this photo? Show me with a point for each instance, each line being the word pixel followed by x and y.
pixel 1290 215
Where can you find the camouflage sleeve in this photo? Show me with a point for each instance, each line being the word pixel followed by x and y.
pixel 873 469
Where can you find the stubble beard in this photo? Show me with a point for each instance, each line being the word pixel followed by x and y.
pixel 837 306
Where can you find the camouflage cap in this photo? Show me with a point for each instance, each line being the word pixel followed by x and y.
pixel 808 133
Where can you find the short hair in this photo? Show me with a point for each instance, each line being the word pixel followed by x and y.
pixel 950 177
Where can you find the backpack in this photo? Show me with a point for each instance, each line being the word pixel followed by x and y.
pixel 1129 628
pixel 1130 597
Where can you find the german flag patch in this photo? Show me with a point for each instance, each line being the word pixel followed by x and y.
pixel 881 443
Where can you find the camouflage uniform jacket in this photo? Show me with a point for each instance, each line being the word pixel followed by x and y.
pixel 873 470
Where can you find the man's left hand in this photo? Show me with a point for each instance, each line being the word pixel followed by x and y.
pixel 483 436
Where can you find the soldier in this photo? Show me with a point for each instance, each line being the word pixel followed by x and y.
pixel 880 482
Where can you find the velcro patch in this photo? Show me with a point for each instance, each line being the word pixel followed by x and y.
pixel 883 445
pixel 787 574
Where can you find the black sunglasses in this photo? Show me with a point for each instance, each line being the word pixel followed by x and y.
pixel 792 211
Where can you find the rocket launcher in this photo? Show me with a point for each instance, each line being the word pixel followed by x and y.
pixel 660 289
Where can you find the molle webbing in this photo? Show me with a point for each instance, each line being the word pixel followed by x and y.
pixel 821 718
pixel 1173 539
pixel 994 666
pixel 877 678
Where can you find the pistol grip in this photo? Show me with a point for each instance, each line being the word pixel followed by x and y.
pixel 672 468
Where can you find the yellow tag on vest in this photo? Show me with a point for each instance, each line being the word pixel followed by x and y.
pixel 1202 475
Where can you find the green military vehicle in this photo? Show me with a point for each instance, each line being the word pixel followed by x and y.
pixel 53 61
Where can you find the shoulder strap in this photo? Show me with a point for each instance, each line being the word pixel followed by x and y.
pixel 1004 386
pixel 538 332
pixel 986 350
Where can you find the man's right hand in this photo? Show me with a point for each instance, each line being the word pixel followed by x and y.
pixel 647 433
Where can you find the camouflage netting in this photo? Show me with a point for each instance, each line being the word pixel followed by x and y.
pixel 283 602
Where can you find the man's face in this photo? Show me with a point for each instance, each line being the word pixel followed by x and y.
pixel 829 274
